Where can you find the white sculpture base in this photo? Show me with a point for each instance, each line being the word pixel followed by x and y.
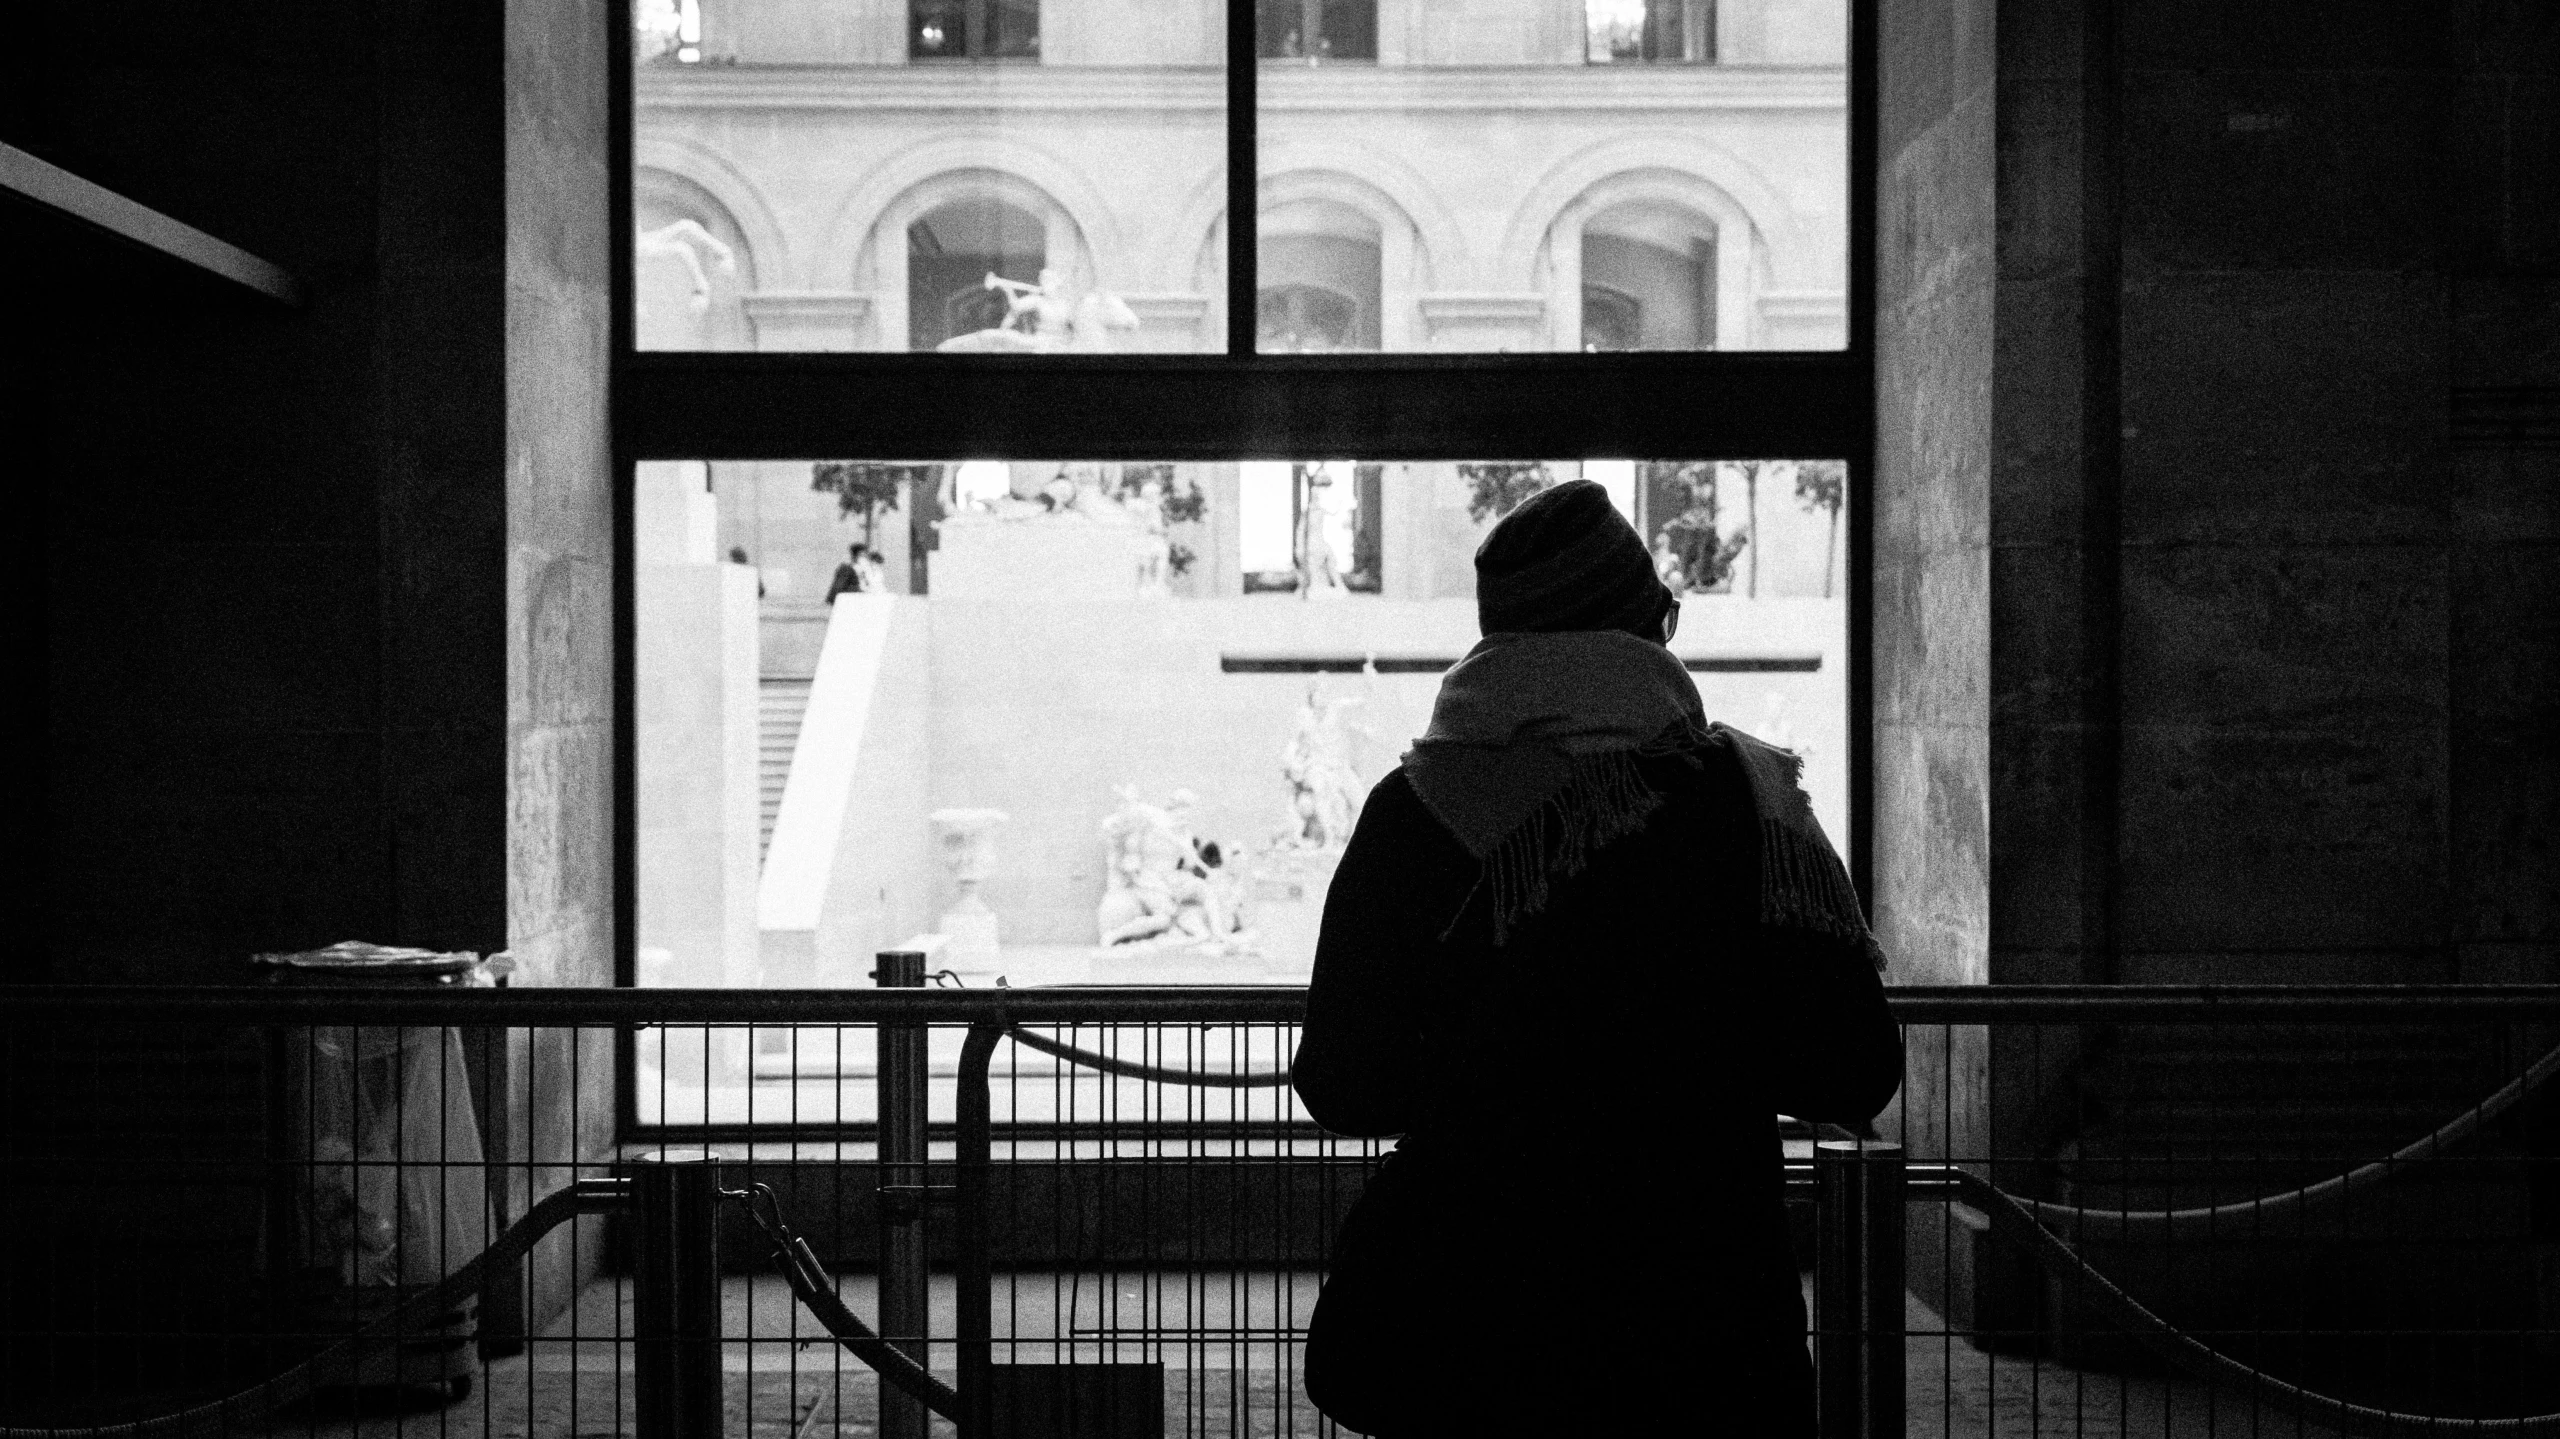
pixel 1288 903
pixel 971 936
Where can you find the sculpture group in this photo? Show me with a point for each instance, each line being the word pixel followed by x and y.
pixel 1043 319
pixel 1166 885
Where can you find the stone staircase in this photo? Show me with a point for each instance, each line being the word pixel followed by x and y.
pixel 780 702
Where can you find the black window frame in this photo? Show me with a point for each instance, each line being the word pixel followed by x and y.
pixel 1240 405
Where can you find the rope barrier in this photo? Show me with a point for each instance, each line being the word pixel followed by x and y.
pixel 2015 1222
pixel 816 1290
pixel 250 1405
pixel 1132 1069
pixel 2462 1127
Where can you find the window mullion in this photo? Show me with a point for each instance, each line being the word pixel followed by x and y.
pixel 1243 176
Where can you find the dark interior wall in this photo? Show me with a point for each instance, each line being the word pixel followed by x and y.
pixel 2234 654
pixel 276 585
pixel 2216 475
pixel 325 600
pixel 211 473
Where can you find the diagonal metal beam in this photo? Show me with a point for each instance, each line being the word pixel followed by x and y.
pixel 56 189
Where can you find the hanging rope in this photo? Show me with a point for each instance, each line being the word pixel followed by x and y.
pixel 2013 1221
pixel 2156 1222
pixel 810 1281
pixel 1131 1069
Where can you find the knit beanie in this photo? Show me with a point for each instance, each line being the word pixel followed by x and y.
pixel 1567 560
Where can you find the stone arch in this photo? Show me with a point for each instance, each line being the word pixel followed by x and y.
pixel 935 171
pixel 1758 232
pixel 711 176
pixel 1386 188
pixel 665 315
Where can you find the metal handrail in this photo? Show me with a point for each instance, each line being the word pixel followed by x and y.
pixel 1272 1004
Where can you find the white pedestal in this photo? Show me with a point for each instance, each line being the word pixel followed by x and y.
pixel 971 936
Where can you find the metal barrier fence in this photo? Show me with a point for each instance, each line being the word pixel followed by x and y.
pixel 1101 1212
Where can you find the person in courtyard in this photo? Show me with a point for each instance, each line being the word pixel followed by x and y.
pixel 852 577
pixel 738 556
pixel 1583 947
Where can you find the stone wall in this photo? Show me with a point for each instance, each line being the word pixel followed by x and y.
pixel 2217 407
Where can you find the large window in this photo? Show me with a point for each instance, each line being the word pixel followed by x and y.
pixel 1503 176
pixel 983 459
pixel 1317 30
pixel 973 29
pixel 1624 32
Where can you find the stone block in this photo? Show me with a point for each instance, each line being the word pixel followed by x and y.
pixel 2283 170
pixel 2505 763
pixel 1930 847
pixel 2036 833
pixel 1916 78
pixel 2287 639
pixel 1937 213
pixel 2239 838
pixel 2284 408
pixel 2039 217
pixel 2038 668
pixel 2036 422
pixel 2502 149
pixel 2310 35
pixel 2223 966
pixel 1932 639
pixel 2505 329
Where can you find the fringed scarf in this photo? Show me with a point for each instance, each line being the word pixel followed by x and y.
pixel 1535 756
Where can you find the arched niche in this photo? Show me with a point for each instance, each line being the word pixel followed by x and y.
pixel 972 203
pixel 1651 277
pixel 1320 278
pixel 952 249
pixel 692 263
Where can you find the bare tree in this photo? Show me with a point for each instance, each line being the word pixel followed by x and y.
pixel 1824 485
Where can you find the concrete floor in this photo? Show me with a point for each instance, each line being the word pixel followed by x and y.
pixel 787 1385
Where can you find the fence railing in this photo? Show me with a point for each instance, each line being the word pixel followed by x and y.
pixel 2119 1211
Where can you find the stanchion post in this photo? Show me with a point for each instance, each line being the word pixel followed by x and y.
pixel 902 1078
pixel 675 1296
pixel 1838 1286
pixel 1883 1181
pixel 1860 1189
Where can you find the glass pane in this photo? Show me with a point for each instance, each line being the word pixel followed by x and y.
pixel 980 175
pixel 1553 175
pixel 1175 682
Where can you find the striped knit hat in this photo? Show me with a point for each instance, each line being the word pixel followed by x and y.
pixel 1567 560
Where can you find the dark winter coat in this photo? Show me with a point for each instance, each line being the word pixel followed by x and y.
pixel 1581 1231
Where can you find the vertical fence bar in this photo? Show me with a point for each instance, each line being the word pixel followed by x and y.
pixel 903 1280
pixel 675 1296
pixel 974 1264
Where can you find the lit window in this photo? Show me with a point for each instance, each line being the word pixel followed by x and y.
pixel 1638 32
pixel 1309 528
pixel 670 30
pixel 973 29
pixel 1316 29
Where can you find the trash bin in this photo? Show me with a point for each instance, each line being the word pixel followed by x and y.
pixel 382 1188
